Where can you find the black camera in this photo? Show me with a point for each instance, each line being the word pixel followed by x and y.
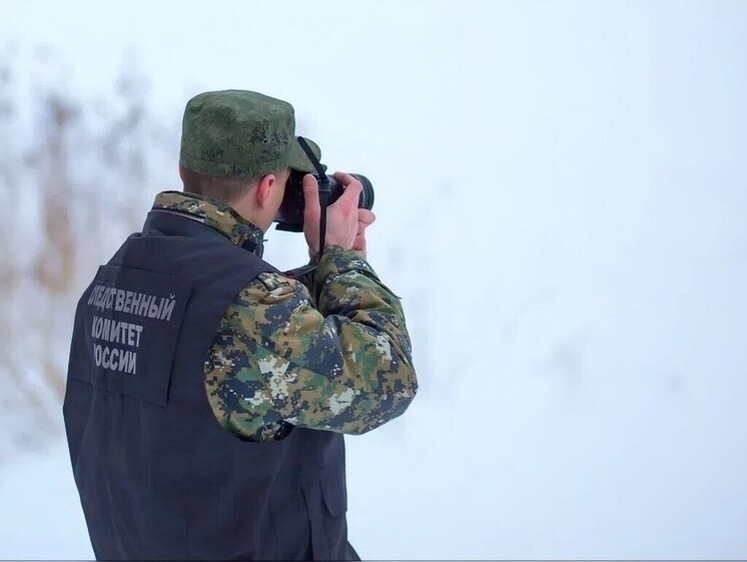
pixel 290 214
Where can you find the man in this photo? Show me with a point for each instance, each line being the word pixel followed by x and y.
pixel 207 392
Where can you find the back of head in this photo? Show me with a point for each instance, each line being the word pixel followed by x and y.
pixel 232 137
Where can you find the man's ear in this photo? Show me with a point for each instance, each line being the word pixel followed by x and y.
pixel 264 189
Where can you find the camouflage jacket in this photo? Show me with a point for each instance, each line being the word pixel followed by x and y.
pixel 330 353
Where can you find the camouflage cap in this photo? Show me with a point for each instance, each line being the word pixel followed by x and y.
pixel 239 133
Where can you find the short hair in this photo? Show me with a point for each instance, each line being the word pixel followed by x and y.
pixel 223 188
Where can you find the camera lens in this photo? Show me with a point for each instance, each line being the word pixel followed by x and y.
pixel 366 199
pixel 290 214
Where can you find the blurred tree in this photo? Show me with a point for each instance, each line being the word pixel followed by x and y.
pixel 55 263
pixel 18 392
pixel 70 192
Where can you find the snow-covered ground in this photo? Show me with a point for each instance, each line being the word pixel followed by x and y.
pixel 561 193
pixel 40 514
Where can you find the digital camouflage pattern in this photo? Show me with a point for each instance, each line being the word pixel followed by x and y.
pixel 238 133
pixel 332 356
pixel 219 216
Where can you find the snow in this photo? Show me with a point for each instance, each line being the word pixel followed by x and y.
pixel 561 193
pixel 40 514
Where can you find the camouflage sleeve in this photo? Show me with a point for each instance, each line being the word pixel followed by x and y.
pixel 343 364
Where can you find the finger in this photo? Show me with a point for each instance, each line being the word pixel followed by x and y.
pixel 365 216
pixel 311 209
pixel 344 178
pixel 359 243
pixel 353 187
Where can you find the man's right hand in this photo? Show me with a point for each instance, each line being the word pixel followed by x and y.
pixel 346 223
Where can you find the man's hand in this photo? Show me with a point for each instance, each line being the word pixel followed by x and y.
pixel 346 223
pixel 365 219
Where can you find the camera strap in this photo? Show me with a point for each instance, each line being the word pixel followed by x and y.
pixel 323 194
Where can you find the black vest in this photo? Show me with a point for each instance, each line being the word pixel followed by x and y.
pixel 158 476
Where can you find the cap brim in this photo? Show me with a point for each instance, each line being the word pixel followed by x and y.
pixel 297 159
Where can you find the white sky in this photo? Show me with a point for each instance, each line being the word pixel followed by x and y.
pixel 561 193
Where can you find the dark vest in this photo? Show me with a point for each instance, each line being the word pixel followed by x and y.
pixel 158 476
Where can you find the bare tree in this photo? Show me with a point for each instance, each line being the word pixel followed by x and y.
pixel 78 186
